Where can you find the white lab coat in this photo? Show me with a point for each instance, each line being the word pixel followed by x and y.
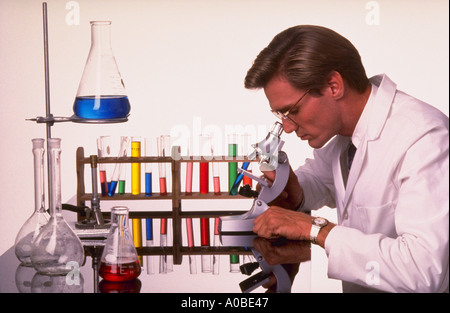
pixel 393 215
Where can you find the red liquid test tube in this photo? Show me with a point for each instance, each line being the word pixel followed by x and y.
pixel 204 177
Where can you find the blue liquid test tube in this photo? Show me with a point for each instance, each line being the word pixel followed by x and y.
pixel 148 184
pixel 148 168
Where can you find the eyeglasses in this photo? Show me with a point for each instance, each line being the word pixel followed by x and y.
pixel 285 116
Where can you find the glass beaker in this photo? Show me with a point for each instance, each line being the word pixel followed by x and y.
pixel 101 92
pixel 57 248
pixel 31 228
pixel 119 261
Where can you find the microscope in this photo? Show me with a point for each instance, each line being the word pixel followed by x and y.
pixel 236 230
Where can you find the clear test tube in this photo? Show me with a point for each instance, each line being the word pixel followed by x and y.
pixel 148 167
pixel 204 234
pixel 166 260
pixel 205 152
pixel 190 237
pixel 163 151
pixel 137 236
pixel 118 168
pixel 216 257
pixel 170 243
pixel 103 151
pixel 149 243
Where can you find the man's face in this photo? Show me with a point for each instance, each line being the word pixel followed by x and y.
pixel 315 118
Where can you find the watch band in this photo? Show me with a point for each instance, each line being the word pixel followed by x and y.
pixel 317 224
pixel 314 233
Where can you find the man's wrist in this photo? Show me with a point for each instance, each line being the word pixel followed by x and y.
pixel 323 234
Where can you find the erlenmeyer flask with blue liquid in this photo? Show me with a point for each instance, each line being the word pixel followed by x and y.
pixel 101 94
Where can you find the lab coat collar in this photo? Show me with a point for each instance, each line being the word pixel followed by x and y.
pixel 378 109
pixel 370 125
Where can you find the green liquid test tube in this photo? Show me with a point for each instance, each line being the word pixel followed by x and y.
pixel 234 263
pixel 121 187
pixel 232 166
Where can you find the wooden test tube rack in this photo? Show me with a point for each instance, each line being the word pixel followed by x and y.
pixel 176 196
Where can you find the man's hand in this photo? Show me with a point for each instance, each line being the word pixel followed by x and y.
pixel 292 195
pixel 279 222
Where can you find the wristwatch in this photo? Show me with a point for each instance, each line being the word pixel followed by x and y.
pixel 317 224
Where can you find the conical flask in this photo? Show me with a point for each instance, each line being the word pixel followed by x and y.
pixel 119 261
pixel 33 225
pixel 101 93
pixel 57 249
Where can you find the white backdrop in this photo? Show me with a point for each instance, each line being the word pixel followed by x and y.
pixel 183 64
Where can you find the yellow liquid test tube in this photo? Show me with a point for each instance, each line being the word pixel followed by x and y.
pixel 137 236
pixel 135 167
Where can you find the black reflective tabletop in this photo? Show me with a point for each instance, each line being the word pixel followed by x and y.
pixel 288 261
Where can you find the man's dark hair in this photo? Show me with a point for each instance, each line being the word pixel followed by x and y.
pixel 305 55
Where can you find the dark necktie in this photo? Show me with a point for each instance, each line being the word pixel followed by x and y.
pixel 350 155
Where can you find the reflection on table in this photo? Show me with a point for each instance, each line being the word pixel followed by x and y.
pixel 267 258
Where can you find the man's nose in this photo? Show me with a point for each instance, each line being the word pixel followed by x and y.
pixel 289 126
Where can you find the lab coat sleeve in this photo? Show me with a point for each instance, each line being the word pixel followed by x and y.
pixel 417 260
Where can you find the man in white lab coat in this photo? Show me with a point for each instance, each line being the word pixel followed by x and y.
pixel 381 159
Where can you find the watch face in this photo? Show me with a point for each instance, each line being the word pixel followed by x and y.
pixel 320 221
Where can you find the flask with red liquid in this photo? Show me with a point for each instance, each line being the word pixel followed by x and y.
pixel 119 261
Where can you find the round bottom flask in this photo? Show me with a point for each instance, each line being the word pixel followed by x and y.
pixel 119 261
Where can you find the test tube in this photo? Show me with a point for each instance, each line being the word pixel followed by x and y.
pixel 205 152
pixel 148 167
pixel 237 182
pixel 232 166
pixel 163 243
pixel 118 167
pixel 247 180
pixel 204 233
pixel 169 242
pixel 149 243
pixel 232 175
pixel 137 235
pixel 122 180
pixel 166 260
pixel 189 168
pixel 216 257
pixel 135 167
pixel 190 237
pixel 163 151
pixel 216 175
pixel 234 263
pixel 103 151
pixel 247 148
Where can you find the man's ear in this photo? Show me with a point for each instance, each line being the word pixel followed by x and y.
pixel 335 85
